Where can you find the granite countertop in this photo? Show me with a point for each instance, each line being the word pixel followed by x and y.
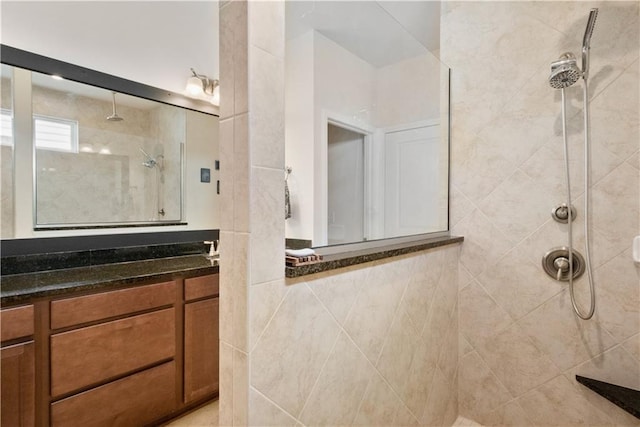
pixel 18 288
pixel 626 398
pixel 353 257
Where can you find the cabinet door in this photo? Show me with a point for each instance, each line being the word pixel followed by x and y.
pixel 200 349
pixel 17 369
pixel 202 287
pixel 16 322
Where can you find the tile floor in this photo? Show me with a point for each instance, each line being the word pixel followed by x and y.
pixel 205 416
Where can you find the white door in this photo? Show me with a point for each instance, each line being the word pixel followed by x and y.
pixel 345 168
pixel 411 180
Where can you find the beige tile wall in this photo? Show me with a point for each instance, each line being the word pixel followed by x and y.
pixel 252 182
pixel 520 343
pixel 374 344
pixel 234 219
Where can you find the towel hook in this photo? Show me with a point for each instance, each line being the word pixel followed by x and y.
pixel 287 171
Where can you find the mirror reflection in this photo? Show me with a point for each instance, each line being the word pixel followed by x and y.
pixel 366 129
pixel 6 151
pixel 104 157
pixel 76 156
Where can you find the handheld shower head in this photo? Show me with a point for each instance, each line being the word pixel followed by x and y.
pixel 586 42
pixel 564 71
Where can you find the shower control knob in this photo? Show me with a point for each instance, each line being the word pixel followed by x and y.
pixel 556 264
pixel 561 214
pixel 562 266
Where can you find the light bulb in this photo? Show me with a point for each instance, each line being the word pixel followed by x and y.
pixel 194 86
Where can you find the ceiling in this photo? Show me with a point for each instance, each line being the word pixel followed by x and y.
pixel 379 32
pixel 157 42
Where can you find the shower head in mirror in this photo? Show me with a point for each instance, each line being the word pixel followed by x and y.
pixel 114 117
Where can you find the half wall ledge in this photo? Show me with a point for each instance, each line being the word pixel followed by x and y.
pixel 347 258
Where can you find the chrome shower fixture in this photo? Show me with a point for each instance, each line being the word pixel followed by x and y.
pixel 563 266
pixel 564 71
pixel 586 42
pixel 114 117
pixel 151 162
pixel 556 264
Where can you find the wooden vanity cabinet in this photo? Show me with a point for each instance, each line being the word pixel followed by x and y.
pixel 201 328
pixel 17 367
pixel 113 356
pixel 127 357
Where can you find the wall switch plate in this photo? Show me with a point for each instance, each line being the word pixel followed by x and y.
pixel 217 165
pixel 205 175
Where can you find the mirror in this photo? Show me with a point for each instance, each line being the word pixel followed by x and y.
pixel 102 159
pixel 366 121
pixel 6 151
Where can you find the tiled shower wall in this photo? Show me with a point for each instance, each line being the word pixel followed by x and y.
pixel 368 345
pixel 520 343
pixel 374 344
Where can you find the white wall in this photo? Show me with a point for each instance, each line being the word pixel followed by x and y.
pixel 151 42
pixel 299 110
pixel 345 88
pixel 408 91
pixel 202 150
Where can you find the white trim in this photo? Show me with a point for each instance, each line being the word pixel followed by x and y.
pixel 321 190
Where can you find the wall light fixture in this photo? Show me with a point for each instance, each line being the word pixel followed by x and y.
pixel 201 85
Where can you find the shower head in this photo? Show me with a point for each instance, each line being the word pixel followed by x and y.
pixel 114 117
pixel 564 71
pixel 586 41
pixel 150 163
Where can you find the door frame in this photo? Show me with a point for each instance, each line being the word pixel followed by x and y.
pixel 321 186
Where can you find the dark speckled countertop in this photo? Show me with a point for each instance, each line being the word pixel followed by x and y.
pixel 347 258
pixel 19 288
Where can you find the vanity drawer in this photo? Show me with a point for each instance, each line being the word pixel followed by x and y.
pixel 90 355
pixel 200 287
pixel 88 308
pixel 136 400
pixel 16 322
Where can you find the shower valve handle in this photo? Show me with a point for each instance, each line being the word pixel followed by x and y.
pixel 562 264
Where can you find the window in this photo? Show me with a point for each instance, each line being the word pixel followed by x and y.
pixel 6 127
pixel 52 133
